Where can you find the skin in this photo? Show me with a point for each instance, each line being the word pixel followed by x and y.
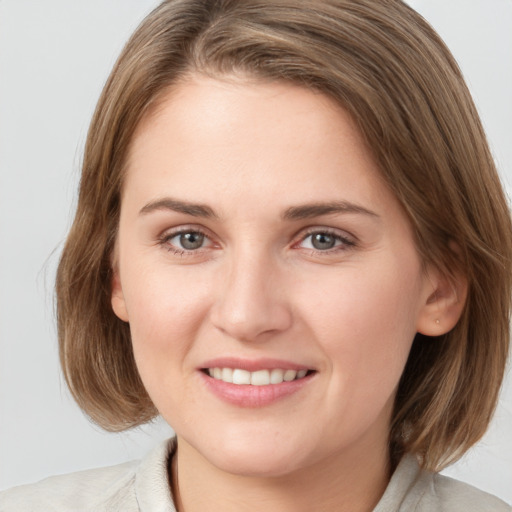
pixel 257 288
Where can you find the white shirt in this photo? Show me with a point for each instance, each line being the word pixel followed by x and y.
pixel 144 487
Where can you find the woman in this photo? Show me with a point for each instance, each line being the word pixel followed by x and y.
pixel 291 243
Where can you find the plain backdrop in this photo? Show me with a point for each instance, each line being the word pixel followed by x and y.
pixel 54 58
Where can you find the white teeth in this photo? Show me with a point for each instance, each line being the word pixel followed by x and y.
pixel 241 377
pixel 276 376
pixel 260 378
pixel 289 375
pixel 227 374
pixel 257 378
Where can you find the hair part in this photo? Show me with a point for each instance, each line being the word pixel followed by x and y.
pixel 387 67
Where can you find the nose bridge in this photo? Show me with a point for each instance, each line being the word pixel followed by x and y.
pixel 251 301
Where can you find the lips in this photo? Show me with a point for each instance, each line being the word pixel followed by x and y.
pixel 254 383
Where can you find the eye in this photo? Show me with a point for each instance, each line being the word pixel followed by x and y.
pixel 185 241
pixel 324 240
pixel 189 241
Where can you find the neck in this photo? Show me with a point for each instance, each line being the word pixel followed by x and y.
pixel 347 482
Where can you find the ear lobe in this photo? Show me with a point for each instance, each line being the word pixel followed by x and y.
pixel 117 297
pixel 444 304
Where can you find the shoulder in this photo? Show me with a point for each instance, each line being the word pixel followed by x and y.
pixel 91 490
pixel 456 496
pixel 413 489
pixel 129 487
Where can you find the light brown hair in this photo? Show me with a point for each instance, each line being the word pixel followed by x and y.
pixel 388 68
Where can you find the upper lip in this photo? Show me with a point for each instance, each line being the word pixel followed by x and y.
pixel 253 365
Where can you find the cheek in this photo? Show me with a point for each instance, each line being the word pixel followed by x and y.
pixel 166 314
pixel 366 322
pixel 166 310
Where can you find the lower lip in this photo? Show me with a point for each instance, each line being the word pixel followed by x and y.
pixel 246 395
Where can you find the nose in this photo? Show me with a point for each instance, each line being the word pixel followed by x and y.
pixel 251 304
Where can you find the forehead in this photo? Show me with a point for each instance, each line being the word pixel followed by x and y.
pixel 216 108
pixel 238 135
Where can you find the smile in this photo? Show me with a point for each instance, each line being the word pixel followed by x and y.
pixel 257 378
pixel 255 383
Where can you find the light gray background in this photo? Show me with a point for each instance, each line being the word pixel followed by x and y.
pixel 54 58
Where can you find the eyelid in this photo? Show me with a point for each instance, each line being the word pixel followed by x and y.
pixel 169 232
pixel 166 235
pixel 347 239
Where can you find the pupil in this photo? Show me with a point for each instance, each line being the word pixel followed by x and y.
pixel 323 241
pixel 191 241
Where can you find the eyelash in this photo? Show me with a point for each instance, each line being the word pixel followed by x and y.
pixel 346 243
pixel 167 237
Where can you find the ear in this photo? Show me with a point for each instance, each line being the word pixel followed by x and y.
pixel 445 300
pixel 117 296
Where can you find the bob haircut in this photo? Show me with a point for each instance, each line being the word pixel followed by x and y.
pixel 386 66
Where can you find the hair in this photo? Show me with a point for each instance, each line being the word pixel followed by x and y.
pixel 387 67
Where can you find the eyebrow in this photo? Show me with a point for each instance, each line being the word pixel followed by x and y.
pixel 308 211
pixel 300 212
pixel 193 209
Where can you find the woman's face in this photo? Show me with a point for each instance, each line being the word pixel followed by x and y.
pixel 257 243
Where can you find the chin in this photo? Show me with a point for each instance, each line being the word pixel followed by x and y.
pixel 262 465
pixel 253 458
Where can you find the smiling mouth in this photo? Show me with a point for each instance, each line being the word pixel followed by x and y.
pixel 257 378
